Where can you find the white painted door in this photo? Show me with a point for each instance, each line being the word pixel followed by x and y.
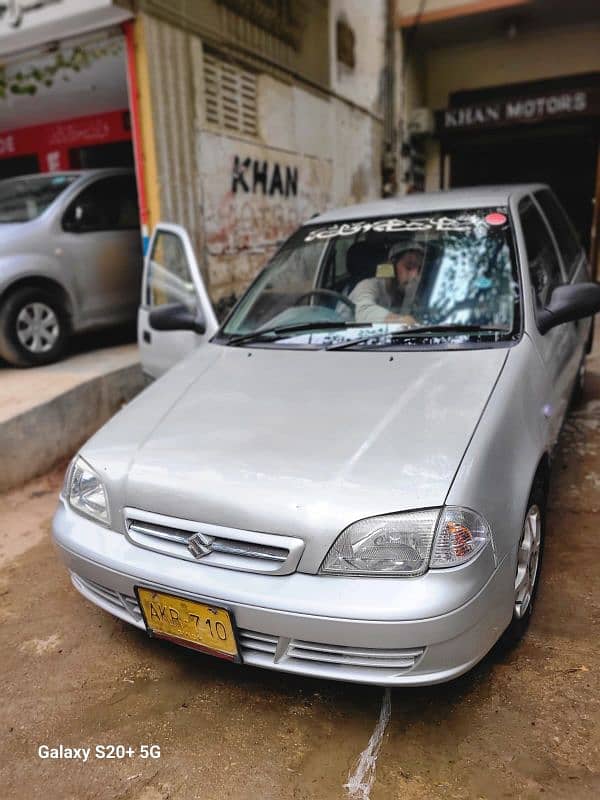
pixel 172 280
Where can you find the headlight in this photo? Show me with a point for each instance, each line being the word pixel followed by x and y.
pixel 85 491
pixel 407 544
pixel 395 544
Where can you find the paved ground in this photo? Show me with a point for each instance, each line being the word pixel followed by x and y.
pixel 521 725
pixel 89 355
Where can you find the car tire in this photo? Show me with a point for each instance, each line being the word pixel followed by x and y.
pixel 528 567
pixel 33 327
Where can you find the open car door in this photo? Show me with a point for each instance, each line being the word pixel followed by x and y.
pixel 175 314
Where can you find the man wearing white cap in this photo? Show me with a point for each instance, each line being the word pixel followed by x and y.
pixel 390 300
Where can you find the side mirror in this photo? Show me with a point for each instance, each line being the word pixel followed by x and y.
pixel 176 317
pixel 568 303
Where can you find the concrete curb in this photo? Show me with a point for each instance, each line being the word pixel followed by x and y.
pixel 34 441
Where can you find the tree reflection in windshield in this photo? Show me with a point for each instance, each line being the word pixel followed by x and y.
pixel 461 263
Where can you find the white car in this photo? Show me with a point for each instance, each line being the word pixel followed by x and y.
pixel 348 478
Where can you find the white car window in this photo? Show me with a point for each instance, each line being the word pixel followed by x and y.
pixel 169 275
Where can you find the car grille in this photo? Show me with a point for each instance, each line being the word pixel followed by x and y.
pixel 354 656
pixel 120 602
pixel 213 545
pixel 268 650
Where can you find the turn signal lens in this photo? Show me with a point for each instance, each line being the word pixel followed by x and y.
pixel 461 534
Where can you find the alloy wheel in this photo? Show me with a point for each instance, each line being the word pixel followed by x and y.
pixel 528 559
pixel 37 327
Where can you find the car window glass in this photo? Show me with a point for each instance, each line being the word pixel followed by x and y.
pixel 544 267
pixel 108 204
pixel 566 238
pixel 344 273
pixel 169 275
pixel 24 199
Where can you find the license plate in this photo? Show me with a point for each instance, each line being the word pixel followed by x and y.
pixel 191 624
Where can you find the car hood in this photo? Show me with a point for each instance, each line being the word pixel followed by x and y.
pixel 299 443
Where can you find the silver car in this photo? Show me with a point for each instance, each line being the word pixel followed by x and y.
pixel 70 259
pixel 348 478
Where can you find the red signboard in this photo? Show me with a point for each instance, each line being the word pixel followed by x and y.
pixel 52 142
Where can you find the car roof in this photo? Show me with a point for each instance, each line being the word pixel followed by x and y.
pixel 449 200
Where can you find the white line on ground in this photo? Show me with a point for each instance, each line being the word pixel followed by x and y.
pixel 362 779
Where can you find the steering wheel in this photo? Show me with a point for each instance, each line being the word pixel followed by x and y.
pixel 326 293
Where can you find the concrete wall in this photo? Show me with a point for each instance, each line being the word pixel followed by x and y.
pixel 493 62
pixel 327 153
pixel 363 84
pixel 240 194
pixel 171 58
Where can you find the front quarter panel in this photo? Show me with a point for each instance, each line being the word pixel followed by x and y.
pixel 497 471
pixel 31 264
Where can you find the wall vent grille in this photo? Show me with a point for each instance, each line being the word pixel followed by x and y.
pixel 230 97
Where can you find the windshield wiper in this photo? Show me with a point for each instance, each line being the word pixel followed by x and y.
pixel 281 331
pixel 423 330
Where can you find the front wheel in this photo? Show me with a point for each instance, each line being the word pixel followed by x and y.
pixel 529 562
pixel 33 328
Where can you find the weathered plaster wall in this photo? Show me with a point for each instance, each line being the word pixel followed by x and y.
pixel 241 195
pixel 313 152
pixel 363 84
pixel 527 57
pixel 170 57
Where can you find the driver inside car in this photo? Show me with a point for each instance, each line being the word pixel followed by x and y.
pixel 391 299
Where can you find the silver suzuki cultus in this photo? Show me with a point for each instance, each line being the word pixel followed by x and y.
pixel 348 478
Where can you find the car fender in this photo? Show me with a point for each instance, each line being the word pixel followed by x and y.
pixel 16 269
pixel 511 439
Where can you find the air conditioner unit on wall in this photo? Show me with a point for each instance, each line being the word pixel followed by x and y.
pixel 421 122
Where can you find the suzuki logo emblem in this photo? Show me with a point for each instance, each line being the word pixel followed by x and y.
pixel 200 545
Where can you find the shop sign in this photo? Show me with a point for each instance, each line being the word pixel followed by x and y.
pixel 520 110
pixel 7 145
pixel 113 126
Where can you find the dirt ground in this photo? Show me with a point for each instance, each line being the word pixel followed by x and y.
pixel 524 724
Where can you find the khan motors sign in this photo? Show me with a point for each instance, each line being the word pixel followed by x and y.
pixel 520 110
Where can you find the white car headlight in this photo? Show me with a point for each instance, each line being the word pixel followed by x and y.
pixel 85 491
pixel 407 544
pixel 394 544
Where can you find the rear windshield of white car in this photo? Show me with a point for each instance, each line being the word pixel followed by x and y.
pixel 24 199
pixel 403 281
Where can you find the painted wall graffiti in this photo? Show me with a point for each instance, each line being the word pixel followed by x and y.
pixel 254 197
pixel 251 175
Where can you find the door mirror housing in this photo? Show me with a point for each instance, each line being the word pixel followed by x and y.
pixel 177 317
pixel 568 303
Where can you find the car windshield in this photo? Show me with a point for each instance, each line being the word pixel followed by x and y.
pixel 24 199
pixel 414 280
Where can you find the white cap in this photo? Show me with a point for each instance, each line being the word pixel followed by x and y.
pixel 397 249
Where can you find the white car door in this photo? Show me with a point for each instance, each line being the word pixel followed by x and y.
pixel 559 346
pixel 172 286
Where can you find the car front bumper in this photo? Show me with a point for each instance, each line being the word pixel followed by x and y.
pixel 321 626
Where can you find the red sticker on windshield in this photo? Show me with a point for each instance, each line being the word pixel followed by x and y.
pixel 495 219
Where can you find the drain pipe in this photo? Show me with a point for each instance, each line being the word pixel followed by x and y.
pixel 389 162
